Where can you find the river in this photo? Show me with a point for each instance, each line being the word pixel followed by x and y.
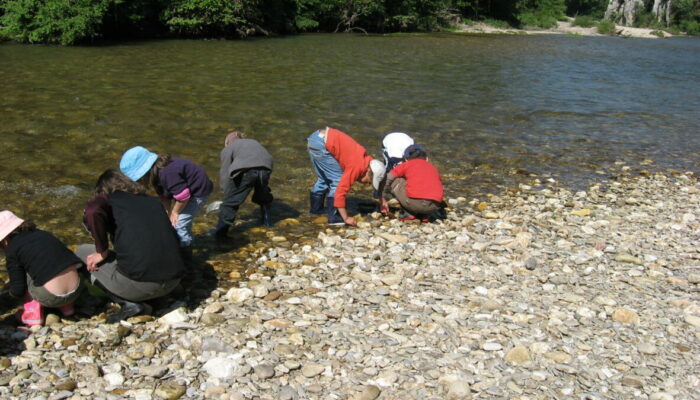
pixel 490 109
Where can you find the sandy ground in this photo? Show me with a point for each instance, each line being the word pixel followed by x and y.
pixel 564 28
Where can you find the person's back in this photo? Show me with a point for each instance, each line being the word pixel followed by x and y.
pixel 422 179
pixel 145 243
pixel 242 154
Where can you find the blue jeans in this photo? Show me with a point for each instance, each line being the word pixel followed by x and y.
pixel 184 222
pixel 326 167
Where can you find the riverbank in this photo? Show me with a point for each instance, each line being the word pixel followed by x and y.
pixel 566 28
pixel 537 293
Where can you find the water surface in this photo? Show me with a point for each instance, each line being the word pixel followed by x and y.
pixel 489 109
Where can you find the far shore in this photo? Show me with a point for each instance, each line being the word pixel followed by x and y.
pixel 566 28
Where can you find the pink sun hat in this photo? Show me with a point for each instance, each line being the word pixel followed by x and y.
pixel 8 223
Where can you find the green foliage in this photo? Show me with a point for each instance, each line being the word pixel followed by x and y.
pixel 201 18
pixel 540 13
pixel 594 8
pixel 606 27
pixel 686 15
pixel 658 33
pixel 497 23
pixel 53 21
pixel 584 21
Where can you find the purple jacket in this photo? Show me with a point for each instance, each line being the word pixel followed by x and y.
pixel 181 174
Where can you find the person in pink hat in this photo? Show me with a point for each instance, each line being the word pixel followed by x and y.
pixel 42 270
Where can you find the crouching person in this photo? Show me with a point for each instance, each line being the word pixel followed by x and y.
pixel 41 268
pixel 416 184
pixel 145 262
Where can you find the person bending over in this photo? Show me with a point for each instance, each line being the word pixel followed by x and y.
pixel 245 165
pixel 338 161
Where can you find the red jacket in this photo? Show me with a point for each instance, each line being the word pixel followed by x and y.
pixel 353 160
pixel 422 179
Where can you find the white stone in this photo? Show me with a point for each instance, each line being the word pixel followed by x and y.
pixel 239 295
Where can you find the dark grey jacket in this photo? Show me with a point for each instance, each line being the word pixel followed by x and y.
pixel 241 155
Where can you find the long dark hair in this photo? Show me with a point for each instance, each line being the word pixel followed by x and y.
pixel 151 178
pixel 26 226
pixel 112 180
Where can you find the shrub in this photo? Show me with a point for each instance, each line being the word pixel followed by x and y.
pixel 691 27
pixel 606 27
pixel 53 21
pixel 584 21
pixel 658 33
pixel 497 23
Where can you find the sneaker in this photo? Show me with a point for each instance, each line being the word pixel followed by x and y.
pixel 67 309
pixel 33 313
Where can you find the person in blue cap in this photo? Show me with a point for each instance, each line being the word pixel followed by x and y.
pixel 182 186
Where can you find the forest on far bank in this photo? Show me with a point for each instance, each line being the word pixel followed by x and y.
pixel 70 22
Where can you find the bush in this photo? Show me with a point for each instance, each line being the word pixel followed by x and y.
pixel 497 23
pixel 53 21
pixel 584 21
pixel 540 13
pixel 606 27
pixel 691 27
pixel 658 33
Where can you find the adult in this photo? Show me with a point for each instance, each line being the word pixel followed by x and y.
pixel 145 262
pixel 245 166
pixel 339 161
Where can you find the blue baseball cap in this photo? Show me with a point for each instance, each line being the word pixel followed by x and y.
pixel 413 151
pixel 136 162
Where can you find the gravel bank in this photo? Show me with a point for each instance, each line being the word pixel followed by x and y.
pixel 538 293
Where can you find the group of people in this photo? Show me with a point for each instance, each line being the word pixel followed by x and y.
pixel 143 244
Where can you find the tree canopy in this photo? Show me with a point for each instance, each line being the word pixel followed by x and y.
pixel 86 21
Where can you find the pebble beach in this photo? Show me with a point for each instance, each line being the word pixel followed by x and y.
pixel 539 292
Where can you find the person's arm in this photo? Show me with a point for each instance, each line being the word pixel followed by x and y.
pixel 181 200
pixel 386 193
pixel 99 222
pixel 18 277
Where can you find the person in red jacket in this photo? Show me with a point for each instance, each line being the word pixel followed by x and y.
pixel 416 184
pixel 339 161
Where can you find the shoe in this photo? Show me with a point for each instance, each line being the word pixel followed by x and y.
pixel 334 217
pixel 406 216
pixel 67 309
pixel 32 313
pixel 220 231
pixel 265 215
pixel 128 309
pixel 316 205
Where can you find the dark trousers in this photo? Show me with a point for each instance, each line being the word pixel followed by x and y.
pixel 239 187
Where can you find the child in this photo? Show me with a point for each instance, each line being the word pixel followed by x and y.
pixel 416 185
pixel 245 165
pixel 339 161
pixel 42 270
pixel 145 263
pixel 182 185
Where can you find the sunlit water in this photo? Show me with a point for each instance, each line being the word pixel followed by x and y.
pixel 489 109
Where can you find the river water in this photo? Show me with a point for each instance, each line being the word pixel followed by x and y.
pixel 491 110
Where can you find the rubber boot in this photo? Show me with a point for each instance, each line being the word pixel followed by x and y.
pixel 316 203
pixel 334 217
pixel 220 231
pixel 32 311
pixel 265 215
